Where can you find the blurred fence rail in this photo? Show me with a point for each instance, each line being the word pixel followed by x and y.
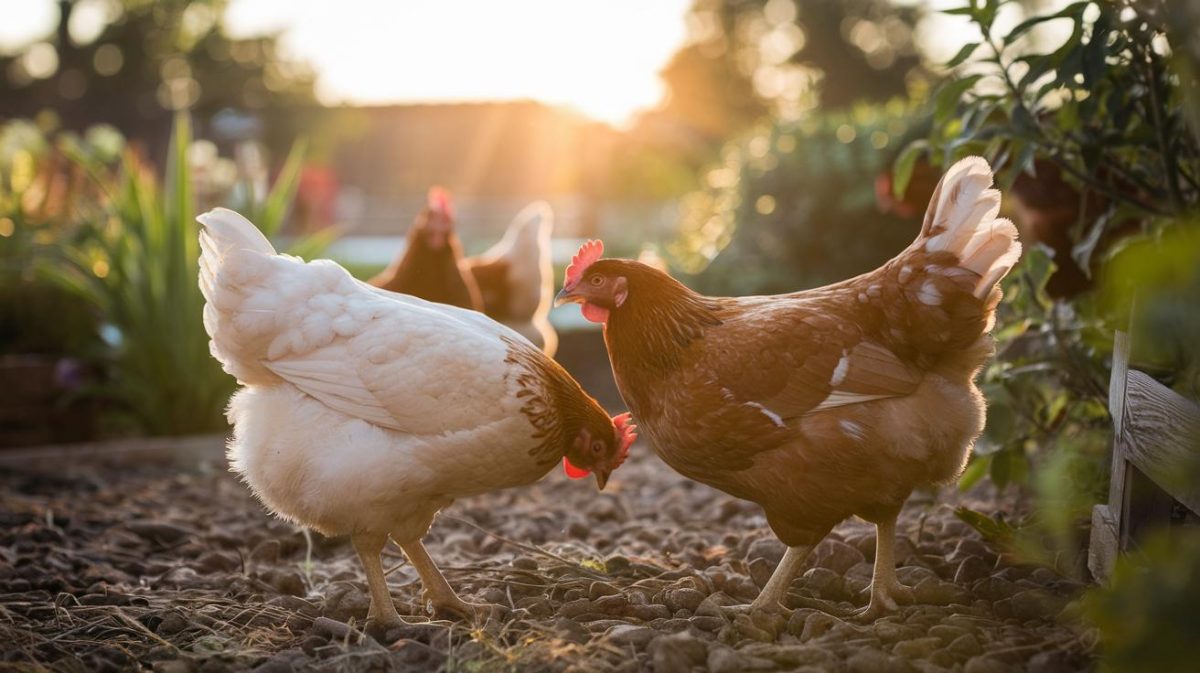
pixel 1155 454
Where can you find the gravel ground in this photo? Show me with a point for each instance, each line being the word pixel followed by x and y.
pixel 171 569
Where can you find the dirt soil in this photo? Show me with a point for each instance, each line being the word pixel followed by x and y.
pixel 158 567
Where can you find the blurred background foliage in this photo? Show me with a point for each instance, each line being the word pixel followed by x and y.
pixel 798 144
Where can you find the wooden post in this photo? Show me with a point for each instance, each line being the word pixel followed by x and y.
pixel 1155 456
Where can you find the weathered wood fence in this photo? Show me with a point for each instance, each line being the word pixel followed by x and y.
pixel 1155 462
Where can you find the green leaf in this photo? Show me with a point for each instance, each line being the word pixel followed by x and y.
pixel 1001 468
pixel 976 470
pixel 963 54
pixel 1072 10
pixel 282 193
pixel 992 530
pixel 949 96
pixel 902 170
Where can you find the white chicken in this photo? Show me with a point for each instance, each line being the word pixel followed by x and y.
pixel 364 412
pixel 516 276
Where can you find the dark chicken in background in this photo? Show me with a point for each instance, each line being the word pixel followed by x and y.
pixel 825 403
pixel 430 267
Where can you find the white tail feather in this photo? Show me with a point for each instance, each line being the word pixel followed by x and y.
pixel 962 220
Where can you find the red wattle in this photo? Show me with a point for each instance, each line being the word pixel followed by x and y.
pixel 572 471
pixel 595 313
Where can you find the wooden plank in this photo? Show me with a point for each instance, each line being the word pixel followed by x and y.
pixel 183 451
pixel 1102 548
pixel 1159 432
pixel 1116 409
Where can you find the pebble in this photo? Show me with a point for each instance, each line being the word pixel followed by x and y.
pixel 525 563
pixel 994 588
pixel 933 591
pixel 970 570
pixel 330 628
pixel 600 589
pixel 875 661
pixel 892 631
pixel 708 623
pixel 818 624
pixel 1036 604
pixel 946 632
pixel 683 599
pixel 725 660
pixel 837 555
pixel 677 652
pixel 985 664
pixel 628 634
pixel 917 648
pixel 824 583
pixel 966 645
pixel 769 549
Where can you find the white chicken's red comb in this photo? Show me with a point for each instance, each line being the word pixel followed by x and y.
pixel 440 202
pixel 588 253
pixel 625 435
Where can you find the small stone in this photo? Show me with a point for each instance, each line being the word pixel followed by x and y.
pixel 217 562
pixel 537 606
pixel 836 555
pixel 913 575
pixel 769 549
pixel 917 648
pixel 330 628
pixel 932 591
pixel 525 563
pixel 706 623
pixel 628 634
pixel 611 604
pixel 677 652
pixel 684 599
pixel 946 633
pixel 600 589
pixel 890 631
pixel 161 532
pixel 1036 604
pixel 875 661
pixel 802 655
pixel 575 608
pixel 985 664
pixel 994 588
pixel 965 645
pixel 725 660
pixel 760 571
pixel 266 551
pixel 1049 662
pixel 173 666
pixel 824 583
pixel 971 570
pixel 280 663
pixel 649 613
pixel 818 624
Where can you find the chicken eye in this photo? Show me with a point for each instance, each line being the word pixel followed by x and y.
pixel 597 280
pixel 597 446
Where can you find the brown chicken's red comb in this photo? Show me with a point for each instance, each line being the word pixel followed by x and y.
pixel 440 202
pixel 625 434
pixel 588 252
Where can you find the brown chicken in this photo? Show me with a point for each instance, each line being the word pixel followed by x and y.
pixel 822 404
pixel 431 266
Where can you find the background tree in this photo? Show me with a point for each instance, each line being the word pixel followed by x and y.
pixel 148 58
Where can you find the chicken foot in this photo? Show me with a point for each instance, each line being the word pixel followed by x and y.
pixel 437 590
pixel 772 597
pixel 885 588
pixel 382 612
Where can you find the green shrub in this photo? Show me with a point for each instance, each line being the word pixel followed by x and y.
pixel 793 205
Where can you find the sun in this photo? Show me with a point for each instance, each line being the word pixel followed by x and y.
pixel 601 58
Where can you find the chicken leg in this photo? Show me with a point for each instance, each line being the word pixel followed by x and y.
pixel 772 596
pixel 437 589
pixel 885 588
pixel 382 612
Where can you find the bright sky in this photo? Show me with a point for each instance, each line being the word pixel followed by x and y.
pixel 601 57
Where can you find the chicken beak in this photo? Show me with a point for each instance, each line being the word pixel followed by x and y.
pixel 566 296
pixel 601 478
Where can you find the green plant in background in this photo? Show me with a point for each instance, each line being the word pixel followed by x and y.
pixel 1148 613
pixel 793 205
pixel 134 259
